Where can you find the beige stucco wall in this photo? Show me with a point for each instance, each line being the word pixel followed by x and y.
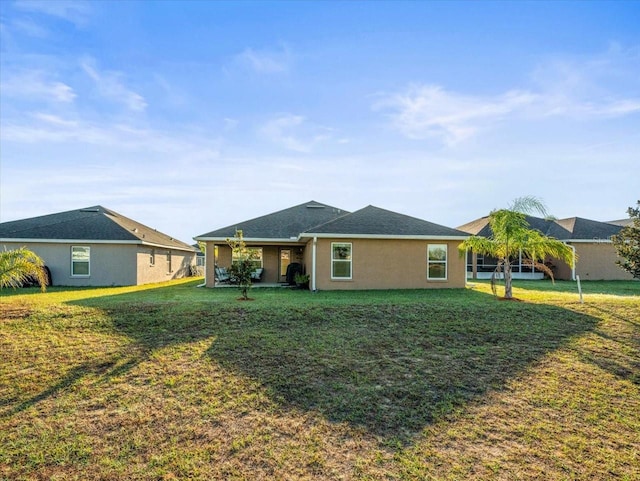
pixel 110 264
pixel 596 262
pixel 270 264
pixel 181 262
pixel 388 264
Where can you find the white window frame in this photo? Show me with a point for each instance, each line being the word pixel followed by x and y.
pixel 257 262
pixel 152 257
pixel 349 260
pixel 169 265
pixel 433 262
pixel 86 249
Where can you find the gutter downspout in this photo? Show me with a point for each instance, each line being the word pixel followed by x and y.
pixel 313 264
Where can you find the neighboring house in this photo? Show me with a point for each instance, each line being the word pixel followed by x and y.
pixel 589 239
pixel 621 222
pixel 98 247
pixel 371 248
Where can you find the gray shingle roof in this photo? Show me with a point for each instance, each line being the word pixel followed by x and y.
pixel 375 221
pixel 585 229
pixel 284 224
pixel 88 224
pixel 573 228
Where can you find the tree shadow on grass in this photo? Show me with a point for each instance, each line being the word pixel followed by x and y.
pixel 388 367
pixel 392 369
pixel 104 369
pixel 618 351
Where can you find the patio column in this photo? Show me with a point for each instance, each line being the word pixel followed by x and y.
pixel 210 264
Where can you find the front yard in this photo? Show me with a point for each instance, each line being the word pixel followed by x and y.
pixel 173 382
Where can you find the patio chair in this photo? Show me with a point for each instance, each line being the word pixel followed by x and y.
pixel 256 275
pixel 222 275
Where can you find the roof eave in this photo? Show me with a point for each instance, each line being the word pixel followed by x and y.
pixel 323 235
pixel 252 240
pixel 93 241
pixel 588 241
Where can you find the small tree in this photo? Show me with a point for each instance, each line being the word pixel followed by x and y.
pixel 18 266
pixel 511 236
pixel 242 267
pixel 627 243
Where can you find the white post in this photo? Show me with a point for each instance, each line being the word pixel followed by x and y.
pixel 313 264
pixel 579 289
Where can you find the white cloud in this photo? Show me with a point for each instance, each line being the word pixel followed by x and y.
pixel 29 27
pixel 74 11
pixel 265 62
pixel 430 111
pixel 55 120
pixel 293 133
pixel 47 128
pixel 34 84
pixel 110 85
pixel 600 87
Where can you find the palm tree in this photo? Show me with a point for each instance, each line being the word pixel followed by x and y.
pixel 512 236
pixel 19 266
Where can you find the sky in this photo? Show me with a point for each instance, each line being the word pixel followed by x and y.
pixel 189 116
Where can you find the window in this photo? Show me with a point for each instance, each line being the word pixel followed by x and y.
pixel 255 257
pixel 169 262
pixel 80 261
pixel 341 260
pixel 437 261
pixel 152 257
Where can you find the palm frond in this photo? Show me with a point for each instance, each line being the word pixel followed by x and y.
pixel 539 266
pixel 529 204
pixel 18 266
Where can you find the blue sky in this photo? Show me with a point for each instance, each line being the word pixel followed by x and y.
pixel 190 116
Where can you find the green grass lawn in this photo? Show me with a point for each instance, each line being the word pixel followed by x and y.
pixel 170 381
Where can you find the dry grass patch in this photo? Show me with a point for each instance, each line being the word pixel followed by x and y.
pixel 175 382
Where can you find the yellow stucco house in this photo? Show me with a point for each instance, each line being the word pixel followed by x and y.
pixel 371 248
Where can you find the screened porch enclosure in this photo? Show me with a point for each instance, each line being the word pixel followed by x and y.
pixel 272 260
pixel 482 267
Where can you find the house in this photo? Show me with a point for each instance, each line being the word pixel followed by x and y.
pixel 371 248
pixel 96 246
pixel 589 239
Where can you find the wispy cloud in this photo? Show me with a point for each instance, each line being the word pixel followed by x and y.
pixel 266 61
pixel 77 12
pixel 29 27
pixel 46 128
pixel 111 85
pixel 561 88
pixel 35 84
pixel 430 111
pixel 294 133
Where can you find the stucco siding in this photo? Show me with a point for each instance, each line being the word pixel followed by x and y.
pixel 596 262
pixel 110 264
pixel 389 264
pixel 162 270
pixel 270 264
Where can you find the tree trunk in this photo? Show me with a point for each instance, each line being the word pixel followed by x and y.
pixel 508 291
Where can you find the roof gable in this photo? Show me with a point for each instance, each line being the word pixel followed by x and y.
pixel 573 228
pixel 375 221
pixel 284 224
pixel 586 229
pixel 88 224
